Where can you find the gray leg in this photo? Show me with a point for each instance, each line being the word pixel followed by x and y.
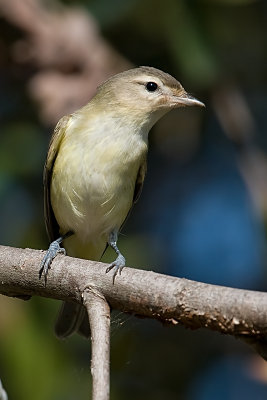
pixel 51 253
pixel 119 263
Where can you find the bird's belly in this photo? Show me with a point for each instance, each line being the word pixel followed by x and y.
pixel 91 203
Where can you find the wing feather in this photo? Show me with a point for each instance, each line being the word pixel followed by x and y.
pixel 138 187
pixel 137 192
pixel 139 181
pixel 51 224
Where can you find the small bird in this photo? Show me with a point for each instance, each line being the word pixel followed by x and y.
pixel 95 169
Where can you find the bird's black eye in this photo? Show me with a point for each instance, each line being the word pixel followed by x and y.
pixel 151 86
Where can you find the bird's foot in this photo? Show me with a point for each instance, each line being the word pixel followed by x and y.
pixel 118 265
pixel 51 253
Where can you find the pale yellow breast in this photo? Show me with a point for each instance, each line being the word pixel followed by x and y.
pixel 94 179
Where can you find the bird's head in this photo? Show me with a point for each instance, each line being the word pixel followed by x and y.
pixel 144 92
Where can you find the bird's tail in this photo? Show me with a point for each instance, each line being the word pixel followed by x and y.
pixel 72 318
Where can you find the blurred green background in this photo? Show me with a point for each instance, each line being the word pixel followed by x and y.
pixel 202 214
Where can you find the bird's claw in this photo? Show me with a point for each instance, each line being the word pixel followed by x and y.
pixel 118 265
pixel 51 253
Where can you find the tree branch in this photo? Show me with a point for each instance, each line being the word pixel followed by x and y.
pixel 237 312
pixel 99 318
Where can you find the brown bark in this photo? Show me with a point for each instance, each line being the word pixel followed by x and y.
pixel 241 313
pixel 145 293
pixel 99 318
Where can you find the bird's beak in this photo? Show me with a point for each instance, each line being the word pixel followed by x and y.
pixel 184 99
pixel 188 100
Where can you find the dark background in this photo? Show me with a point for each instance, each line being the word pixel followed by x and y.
pixel 202 213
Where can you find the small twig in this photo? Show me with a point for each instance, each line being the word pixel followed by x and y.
pixel 3 393
pixel 99 318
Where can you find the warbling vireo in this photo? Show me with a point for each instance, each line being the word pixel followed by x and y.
pixel 96 166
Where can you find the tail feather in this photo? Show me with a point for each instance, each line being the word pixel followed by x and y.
pixel 70 317
pixel 73 317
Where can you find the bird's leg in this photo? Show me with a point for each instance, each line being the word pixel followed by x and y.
pixel 119 263
pixel 51 253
